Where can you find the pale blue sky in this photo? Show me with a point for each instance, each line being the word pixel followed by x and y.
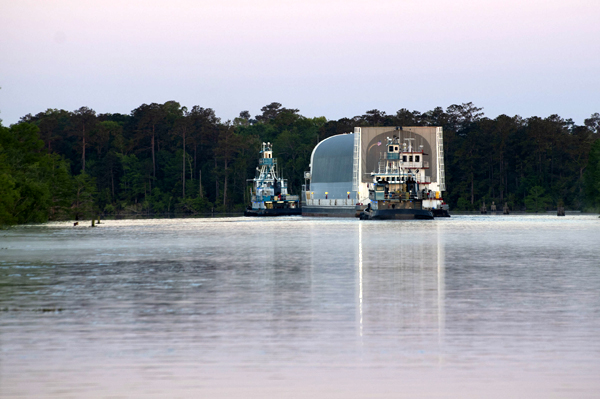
pixel 327 58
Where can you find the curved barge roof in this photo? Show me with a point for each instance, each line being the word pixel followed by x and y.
pixel 331 160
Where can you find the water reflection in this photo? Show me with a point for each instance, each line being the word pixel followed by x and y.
pixel 400 296
pixel 321 307
pixel 360 280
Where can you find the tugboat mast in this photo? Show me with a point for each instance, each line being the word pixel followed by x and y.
pixel 267 183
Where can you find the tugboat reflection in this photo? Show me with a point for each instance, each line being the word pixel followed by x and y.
pixel 400 282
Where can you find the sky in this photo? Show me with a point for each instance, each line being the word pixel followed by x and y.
pixel 332 58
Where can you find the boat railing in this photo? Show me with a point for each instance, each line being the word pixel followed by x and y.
pixel 383 169
pixel 283 197
pixel 267 161
pixel 404 196
pixel 331 202
pixel 416 165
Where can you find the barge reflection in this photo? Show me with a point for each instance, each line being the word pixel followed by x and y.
pixel 400 283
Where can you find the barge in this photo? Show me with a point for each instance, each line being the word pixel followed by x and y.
pixel 377 173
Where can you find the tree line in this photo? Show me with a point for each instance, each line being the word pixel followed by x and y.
pixel 169 159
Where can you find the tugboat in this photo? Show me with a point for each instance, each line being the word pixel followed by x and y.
pixel 399 188
pixel 269 191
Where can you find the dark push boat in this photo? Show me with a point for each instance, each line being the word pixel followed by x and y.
pixel 269 191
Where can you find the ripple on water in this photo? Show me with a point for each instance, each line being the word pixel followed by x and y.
pixel 302 306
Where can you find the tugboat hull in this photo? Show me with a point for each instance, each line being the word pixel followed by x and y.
pixel 440 213
pixel 273 212
pixel 397 214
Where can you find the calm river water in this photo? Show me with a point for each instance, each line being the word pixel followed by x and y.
pixel 471 306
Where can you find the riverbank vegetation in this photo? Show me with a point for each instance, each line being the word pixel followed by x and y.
pixel 170 159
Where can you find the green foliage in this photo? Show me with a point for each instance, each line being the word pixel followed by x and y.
pixel 25 175
pixel 537 200
pixel 61 188
pixel 196 205
pixel 463 204
pixel 166 158
pixel 9 196
pixel 592 176
pixel 84 193
pixel 502 159
pixel 133 181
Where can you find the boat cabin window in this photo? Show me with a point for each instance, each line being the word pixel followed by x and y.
pixel 396 148
pixel 403 158
pixel 410 158
pixel 391 149
pixel 417 158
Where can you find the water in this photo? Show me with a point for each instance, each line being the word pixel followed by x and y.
pixel 472 306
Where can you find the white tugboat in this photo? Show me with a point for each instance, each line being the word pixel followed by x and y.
pixel 269 191
pixel 400 185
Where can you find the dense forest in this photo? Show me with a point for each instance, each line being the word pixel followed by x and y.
pixel 167 159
